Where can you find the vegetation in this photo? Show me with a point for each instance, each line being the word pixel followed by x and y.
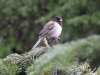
pixel 63 59
pixel 20 23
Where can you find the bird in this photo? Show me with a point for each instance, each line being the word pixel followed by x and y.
pixel 51 30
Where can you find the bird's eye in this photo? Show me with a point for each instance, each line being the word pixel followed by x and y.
pixel 58 19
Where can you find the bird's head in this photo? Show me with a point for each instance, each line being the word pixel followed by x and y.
pixel 58 19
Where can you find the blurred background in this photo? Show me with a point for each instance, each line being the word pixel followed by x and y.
pixel 22 20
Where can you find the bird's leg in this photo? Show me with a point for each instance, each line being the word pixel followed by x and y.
pixel 45 42
pixel 53 41
pixel 56 41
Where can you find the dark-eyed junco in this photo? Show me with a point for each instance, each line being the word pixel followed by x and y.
pixel 51 30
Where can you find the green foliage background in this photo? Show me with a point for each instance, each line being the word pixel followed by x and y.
pixel 21 21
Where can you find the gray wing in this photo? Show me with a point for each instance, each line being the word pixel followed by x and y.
pixel 49 26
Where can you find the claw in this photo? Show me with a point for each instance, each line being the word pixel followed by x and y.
pixel 58 37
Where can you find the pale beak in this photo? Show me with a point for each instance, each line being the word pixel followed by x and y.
pixel 60 20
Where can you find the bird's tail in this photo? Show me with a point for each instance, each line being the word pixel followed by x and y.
pixel 39 40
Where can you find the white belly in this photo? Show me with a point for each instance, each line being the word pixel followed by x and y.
pixel 55 32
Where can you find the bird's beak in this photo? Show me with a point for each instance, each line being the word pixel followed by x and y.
pixel 61 20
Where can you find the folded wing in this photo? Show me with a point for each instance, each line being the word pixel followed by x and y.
pixel 49 26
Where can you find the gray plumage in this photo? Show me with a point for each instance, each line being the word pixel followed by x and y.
pixel 51 30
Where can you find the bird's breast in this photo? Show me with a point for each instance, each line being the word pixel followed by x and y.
pixel 56 31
